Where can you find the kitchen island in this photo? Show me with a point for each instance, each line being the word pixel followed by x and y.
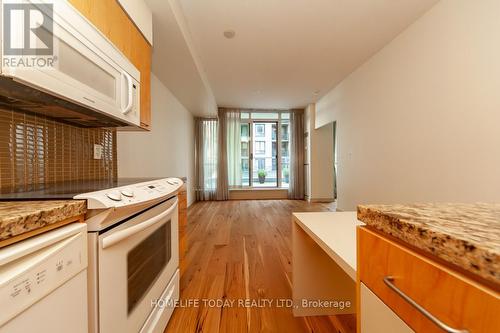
pixel 429 267
pixel 324 263
pixel 465 235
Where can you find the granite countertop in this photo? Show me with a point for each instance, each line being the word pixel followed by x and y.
pixel 18 217
pixel 466 235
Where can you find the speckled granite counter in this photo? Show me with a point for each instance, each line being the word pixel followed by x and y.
pixel 18 217
pixel 467 235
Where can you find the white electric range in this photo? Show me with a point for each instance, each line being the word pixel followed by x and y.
pixel 133 253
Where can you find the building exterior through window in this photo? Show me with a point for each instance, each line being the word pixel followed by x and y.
pixel 265 149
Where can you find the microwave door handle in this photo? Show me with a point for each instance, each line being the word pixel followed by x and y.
pixel 130 101
pixel 126 233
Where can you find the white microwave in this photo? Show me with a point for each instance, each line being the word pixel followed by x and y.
pixel 87 72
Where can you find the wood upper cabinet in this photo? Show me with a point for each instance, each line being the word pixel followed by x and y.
pixel 110 18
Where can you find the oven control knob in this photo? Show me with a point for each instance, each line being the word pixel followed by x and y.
pixel 128 193
pixel 115 196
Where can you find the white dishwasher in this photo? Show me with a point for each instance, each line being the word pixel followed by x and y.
pixel 43 282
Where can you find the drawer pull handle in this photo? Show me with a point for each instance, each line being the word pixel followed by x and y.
pixel 388 280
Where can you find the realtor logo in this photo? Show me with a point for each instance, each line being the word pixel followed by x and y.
pixel 28 39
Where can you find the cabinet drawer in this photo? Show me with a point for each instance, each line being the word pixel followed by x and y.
pixel 449 296
pixel 182 197
pixel 182 203
pixel 182 217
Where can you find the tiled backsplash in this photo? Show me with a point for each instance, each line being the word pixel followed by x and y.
pixel 36 150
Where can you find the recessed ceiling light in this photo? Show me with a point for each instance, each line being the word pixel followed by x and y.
pixel 229 34
pixel 316 93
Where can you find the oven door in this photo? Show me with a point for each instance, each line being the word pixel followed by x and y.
pixel 137 259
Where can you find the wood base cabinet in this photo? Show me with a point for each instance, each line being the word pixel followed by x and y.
pixel 428 296
pixel 182 197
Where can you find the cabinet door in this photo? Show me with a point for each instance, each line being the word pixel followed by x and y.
pixel 376 317
pixel 109 17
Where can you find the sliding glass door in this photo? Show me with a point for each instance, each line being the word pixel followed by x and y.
pixel 265 149
pixel 245 154
pixel 265 154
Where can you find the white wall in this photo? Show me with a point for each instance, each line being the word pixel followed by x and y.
pixel 142 16
pixel 420 121
pixel 319 151
pixel 175 61
pixel 168 149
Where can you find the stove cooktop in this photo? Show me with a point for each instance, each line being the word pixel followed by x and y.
pixel 66 190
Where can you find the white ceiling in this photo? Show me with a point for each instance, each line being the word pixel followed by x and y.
pixel 175 62
pixel 285 50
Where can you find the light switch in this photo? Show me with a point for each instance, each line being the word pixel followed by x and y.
pixel 98 152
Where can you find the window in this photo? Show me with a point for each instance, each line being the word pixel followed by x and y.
pixel 265 166
pixel 260 147
pixel 265 148
pixel 244 149
pixel 261 163
pixel 260 130
pixel 245 172
pixel 245 154
pixel 245 131
pixel 244 166
pixel 284 132
pixel 285 171
pixel 285 115
pixel 284 149
pixel 210 151
pixel 265 115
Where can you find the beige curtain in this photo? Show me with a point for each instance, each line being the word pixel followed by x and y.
pixel 296 188
pixel 206 135
pixel 222 179
pixel 233 139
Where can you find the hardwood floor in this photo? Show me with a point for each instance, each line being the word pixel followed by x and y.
pixel 237 251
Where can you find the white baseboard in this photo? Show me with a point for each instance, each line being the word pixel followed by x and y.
pixel 324 200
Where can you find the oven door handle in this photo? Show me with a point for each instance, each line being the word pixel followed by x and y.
pixel 126 233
